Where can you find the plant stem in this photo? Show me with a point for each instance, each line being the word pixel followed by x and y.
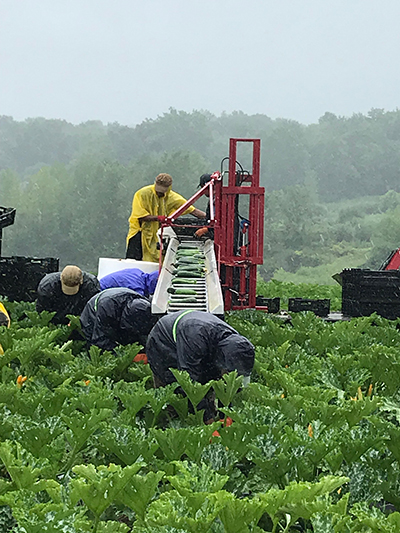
pixel 96 523
pixel 70 461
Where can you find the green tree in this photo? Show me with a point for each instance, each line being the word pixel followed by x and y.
pixel 294 228
pixel 98 212
pixel 41 226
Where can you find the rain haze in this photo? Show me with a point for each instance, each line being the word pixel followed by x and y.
pixel 127 60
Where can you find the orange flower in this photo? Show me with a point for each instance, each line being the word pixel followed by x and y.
pixel 228 421
pixel 216 434
pixel 369 393
pixel 21 380
pixel 141 357
pixel 86 382
pixel 282 395
pixel 310 430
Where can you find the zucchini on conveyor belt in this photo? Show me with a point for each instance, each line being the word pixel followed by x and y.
pixel 200 268
pixel 189 273
pixel 189 253
pixel 190 260
pixel 189 266
pixel 174 290
pixel 183 281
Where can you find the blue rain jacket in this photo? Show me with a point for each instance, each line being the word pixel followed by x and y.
pixel 132 278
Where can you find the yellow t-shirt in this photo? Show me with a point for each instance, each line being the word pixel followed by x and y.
pixel 146 202
pixel 3 310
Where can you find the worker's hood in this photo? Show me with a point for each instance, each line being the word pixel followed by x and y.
pixel 137 317
pixel 151 282
pixel 236 353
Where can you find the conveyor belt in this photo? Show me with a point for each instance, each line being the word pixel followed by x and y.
pixel 202 287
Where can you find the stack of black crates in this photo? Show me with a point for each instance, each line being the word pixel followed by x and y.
pixel 371 291
pixel 20 276
pixel 272 305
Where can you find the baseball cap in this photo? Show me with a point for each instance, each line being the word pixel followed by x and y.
pixel 71 279
pixel 204 178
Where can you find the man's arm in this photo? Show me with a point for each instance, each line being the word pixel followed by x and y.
pixel 40 303
pixel 153 218
pixel 45 300
pixel 198 213
pixel 148 218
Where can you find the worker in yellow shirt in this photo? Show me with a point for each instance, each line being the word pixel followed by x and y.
pixel 151 205
pixel 4 321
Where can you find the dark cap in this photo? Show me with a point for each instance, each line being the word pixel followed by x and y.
pixel 204 178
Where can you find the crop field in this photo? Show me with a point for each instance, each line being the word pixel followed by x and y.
pixel 312 444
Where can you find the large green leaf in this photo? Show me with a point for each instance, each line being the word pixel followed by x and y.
pixel 100 487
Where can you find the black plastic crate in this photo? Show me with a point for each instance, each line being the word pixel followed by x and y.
pixel 187 226
pixel 358 276
pixel 273 304
pixel 20 276
pixel 371 291
pixel 7 216
pixel 318 307
pixel 357 308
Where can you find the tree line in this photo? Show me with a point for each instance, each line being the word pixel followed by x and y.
pixel 341 157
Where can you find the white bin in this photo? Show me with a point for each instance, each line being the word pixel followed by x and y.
pixel 108 265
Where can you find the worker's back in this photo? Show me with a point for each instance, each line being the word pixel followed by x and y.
pixel 200 343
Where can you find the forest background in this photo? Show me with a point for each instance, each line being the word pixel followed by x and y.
pixel 332 188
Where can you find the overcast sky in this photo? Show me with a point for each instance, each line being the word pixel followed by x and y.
pixel 128 60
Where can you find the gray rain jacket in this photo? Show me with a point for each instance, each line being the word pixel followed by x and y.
pixel 50 297
pixel 200 343
pixel 116 316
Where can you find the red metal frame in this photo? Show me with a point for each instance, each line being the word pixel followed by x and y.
pixel 393 263
pixel 238 268
pixel 241 265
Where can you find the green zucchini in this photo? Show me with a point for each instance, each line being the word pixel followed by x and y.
pixel 188 273
pixel 190 267
pixel 189 300
pixel 190 260
pixel 174 290
pixel 184 281
pixel 197 257
pixel 185 266
pixel 189 253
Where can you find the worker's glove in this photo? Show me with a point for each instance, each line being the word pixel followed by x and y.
pixel 140 357
pixel 201 232
pixel 161 218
